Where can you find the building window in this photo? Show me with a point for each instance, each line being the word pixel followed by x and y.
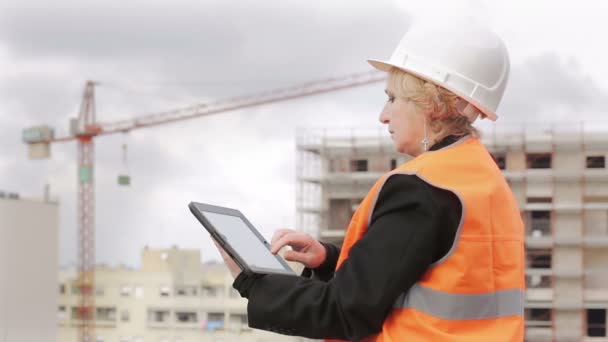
pixel 158 316
pixel 358 165
pixel 538 160
pixel 500 159
pixel 99 339
pixel 393 164
pixel 539 258
pixel 105 314
pixel 125 291
pixel 75 290
pixel 186 291
pixel 539 223
pixel 61 288
pixel 596 322
pixel 76 314
pixel 537 281
pixel 139 292
pixel 185 317
pixel 238 322
pixel 138 339
pixel 211 291
pixel 125 316
pixel 61 313
pixel 165 291
pixel 540 200
pixel 79 313
pixel 215 320
pixel 537 317
pixel 596 162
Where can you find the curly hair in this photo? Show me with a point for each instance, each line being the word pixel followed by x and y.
pixel 444 110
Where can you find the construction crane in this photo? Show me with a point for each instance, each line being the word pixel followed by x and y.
pixel 86 127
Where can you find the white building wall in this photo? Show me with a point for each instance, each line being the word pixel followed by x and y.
pixel 28 278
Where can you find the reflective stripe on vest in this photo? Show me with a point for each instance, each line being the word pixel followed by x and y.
pixel 462 306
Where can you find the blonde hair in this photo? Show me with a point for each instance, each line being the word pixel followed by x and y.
pixel 442 108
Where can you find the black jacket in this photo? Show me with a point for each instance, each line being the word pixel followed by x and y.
pixel 413 224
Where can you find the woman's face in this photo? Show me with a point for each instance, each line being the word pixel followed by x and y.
pixel 405 123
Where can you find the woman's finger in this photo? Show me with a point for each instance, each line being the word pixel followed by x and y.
pixel 300 257
pixel 279 234
pixel 232 266
pixel 222 251
pixel 292 239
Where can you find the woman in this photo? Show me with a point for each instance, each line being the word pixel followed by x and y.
pixel 435 250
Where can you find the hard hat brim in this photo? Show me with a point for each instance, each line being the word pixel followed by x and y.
pixel 386 67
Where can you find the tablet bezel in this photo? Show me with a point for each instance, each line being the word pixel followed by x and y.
pixel 198 210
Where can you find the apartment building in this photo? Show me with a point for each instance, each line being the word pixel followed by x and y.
pixel 559 177
pixel 28 266
pixel 171 297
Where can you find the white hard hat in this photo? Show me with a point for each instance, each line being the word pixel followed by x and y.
pixel 466 58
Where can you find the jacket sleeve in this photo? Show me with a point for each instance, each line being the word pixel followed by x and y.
pixel 393 254
pixel 325 271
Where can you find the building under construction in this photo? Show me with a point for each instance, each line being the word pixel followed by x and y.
pixel 559 178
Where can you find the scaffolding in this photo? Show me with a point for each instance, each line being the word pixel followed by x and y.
pixel 336 168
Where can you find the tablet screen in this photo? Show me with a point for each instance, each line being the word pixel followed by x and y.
pixel 238 234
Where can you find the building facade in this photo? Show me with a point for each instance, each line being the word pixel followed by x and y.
pixel 559 178
pixel 172 297
pixel 28 262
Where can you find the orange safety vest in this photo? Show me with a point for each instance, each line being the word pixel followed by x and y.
pixel 476 291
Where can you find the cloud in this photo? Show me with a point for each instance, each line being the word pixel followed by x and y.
pixel 154 56
pixel 547 87
pixel 269 42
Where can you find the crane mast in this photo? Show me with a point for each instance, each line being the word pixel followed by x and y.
pixel 85 131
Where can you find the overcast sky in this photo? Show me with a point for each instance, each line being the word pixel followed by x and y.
pixel 150 56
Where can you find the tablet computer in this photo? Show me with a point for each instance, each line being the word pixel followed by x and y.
pixel 240 239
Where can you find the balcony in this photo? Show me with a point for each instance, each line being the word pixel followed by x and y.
pixel 595 241
pixel 568 303
pixel 539 287
pixel 599 296
pixel 344 145
pixel 309 209
pixel 332 234
pixel 352 177
pixel 570 273
pixel 539 241
pixel 538 334
pixel 543 175
pixel 588 241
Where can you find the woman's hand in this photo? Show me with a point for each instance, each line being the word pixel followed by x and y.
pixel 305 250
pixel 234 269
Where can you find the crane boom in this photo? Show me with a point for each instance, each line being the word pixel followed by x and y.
pixel 241 102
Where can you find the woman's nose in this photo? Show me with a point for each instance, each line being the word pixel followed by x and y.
pixel 384 117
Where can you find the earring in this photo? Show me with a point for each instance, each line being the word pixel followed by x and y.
pixel 425 141
pixel 425 144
